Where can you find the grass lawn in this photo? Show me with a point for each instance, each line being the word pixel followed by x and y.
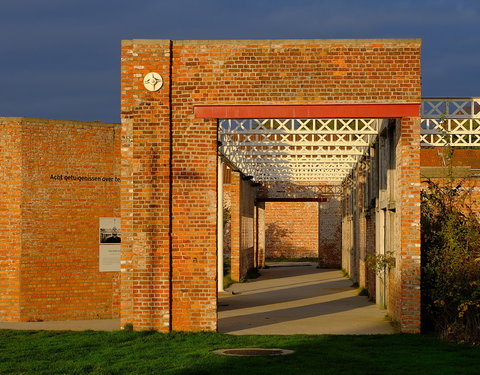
pixel 89 352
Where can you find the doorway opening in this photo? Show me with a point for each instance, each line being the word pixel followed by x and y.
pixel 334 177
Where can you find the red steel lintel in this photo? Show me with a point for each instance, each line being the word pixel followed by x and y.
pixel 397 110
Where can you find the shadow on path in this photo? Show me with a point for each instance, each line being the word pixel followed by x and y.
pixel 291 300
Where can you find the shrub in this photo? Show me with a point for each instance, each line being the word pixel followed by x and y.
pixel 380 262
pixel 450 261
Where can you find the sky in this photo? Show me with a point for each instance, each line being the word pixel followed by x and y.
pixel 60 59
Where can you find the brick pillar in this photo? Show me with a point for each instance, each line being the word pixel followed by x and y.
pixel 361 183
pixel 406 297
pixel 247 224
pixel 260 234
pixel 330 233
pixel 10 219
pixel 194 221
pixel 255 235
pixel 235 218
pixel 145 191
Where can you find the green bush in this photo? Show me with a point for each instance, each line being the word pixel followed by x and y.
pixel 450 262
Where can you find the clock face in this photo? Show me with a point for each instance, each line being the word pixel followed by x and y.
pixel 153 81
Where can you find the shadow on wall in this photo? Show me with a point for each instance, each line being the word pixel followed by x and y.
pixel 279 244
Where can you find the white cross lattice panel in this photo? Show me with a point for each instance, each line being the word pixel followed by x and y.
pixel 276 150
pixel 296 149
pixel 454 108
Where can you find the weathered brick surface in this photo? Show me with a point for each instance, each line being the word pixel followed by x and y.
pixel 393 214
pixel 370 284
pixel 435 157
pixel 291 229
pixel 404 286
pixel 247 211
pixel 260 235
pixel 10 218
pixel 218 72
pixel 235 220
pixel 147 254
pixel 57 220
pixel 330 234
pixel 466 166
pixel 242 196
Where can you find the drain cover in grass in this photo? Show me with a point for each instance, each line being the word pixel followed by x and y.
pixel 252 352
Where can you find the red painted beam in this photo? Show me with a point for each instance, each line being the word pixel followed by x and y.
pixel 308 111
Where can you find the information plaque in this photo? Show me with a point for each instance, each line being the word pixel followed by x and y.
pixel 109 244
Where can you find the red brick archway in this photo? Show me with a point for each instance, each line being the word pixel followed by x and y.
pixel 169 155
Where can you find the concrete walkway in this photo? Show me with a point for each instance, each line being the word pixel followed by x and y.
pixel 289 298
pixel 298 298
pixel 66 325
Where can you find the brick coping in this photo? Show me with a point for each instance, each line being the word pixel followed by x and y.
pixel 273 42
pixel 34 120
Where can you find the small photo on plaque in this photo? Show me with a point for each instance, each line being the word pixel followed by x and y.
pixel 110 230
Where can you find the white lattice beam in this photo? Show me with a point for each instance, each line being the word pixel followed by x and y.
pixel 454 122
pixel 299 126
pixel 454 108
pixel 266 151
pixel 304 167
pixel 296 149
pixel 306 178
pixel 282 141
pixel 302 159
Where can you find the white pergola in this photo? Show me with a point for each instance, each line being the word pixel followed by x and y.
pixel 450 121
pixel 325 151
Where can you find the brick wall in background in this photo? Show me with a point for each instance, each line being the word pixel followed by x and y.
pixel 247 232
pixel 304 230
pixel 291 229
pixel 242 200
pixel 466 170
pixel 330 233
pixel 235 221
pixel 59 267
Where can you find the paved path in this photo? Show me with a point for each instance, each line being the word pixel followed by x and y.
pixel 68 325
pixel 295 298
pixel 289 298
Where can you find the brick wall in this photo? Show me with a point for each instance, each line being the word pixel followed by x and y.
pixel 466 166
pixel 235 229
pixel 330 233
pixel 247 211
pixel 59 234
pixel 370 283
pixel 260 235
pixel 242 197
pixel 10 218
pixel 404 282
pixel 291 229
pixel 146 209
pixel 218 72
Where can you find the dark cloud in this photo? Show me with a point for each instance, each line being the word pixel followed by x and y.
pixel 60 58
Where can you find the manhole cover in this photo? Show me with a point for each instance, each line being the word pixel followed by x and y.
pixel 252 352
